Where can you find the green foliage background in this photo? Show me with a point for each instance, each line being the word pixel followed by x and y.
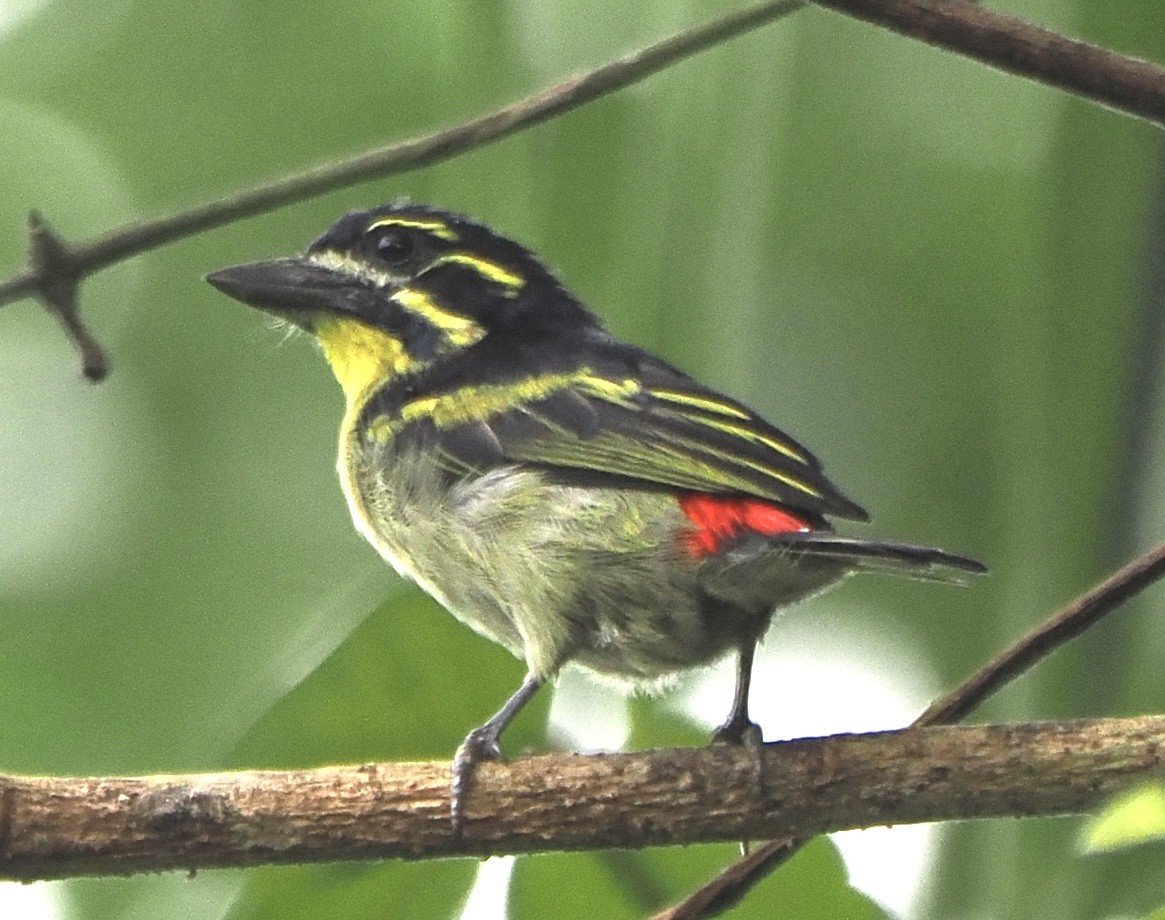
pixel 945 280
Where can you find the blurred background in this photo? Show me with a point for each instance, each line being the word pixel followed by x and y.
pixel 946 281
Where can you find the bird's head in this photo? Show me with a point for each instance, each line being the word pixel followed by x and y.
pixel 392 290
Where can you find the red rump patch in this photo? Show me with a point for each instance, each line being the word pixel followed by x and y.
pixel 719 518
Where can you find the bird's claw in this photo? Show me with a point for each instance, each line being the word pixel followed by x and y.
pixel 739 731
pixel 480 744
pixel 747 734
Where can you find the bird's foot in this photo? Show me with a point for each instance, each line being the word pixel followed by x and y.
pixel 747 734
pixel 480 744
pixel 739 731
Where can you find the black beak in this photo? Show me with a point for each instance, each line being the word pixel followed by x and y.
pixel 295 289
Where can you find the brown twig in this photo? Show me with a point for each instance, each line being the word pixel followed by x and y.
pixel 1126 84
pixel 54 264
pixel 65 827
pixel 1062 626
pixel 55 281
pixel 727 888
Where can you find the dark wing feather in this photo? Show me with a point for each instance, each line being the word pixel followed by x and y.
pixel 626 415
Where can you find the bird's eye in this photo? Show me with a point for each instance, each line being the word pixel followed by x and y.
pixel 394 246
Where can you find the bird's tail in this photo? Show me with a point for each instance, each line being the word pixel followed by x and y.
pixel 794 566
pixel 922 562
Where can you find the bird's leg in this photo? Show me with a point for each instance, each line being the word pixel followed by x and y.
pixel 739 728
pixel 482 744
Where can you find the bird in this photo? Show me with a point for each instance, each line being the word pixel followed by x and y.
pixel 566 494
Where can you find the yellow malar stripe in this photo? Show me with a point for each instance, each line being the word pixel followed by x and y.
pixel 706 403
pixel 459 330
pixel 482 400
pixel 489 270
pixel 438 228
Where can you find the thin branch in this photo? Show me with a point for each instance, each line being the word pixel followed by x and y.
pixel 73 263
pixel 67 827
pixel 1058 629
pixel 1126 84
pixel 732 884
pixel 54 264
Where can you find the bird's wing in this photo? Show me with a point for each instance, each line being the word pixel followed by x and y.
pixel 649 423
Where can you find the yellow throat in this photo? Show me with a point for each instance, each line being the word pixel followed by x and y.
pixel 362 358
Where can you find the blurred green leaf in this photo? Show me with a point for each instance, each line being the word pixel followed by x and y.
pixel 633 884
pixel 425 891
pixel 1134 817
pixel 392 691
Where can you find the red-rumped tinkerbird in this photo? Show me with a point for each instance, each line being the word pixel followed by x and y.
pixel 565 494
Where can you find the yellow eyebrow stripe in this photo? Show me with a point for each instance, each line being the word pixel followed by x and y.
pixel 458 329
pixel 485 268
pixel 438 228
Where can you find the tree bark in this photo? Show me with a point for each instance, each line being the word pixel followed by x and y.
pixel 58 827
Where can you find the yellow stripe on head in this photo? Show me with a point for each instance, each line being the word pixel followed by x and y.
pixel 488 270
pixel 458 330
pixel 438 228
